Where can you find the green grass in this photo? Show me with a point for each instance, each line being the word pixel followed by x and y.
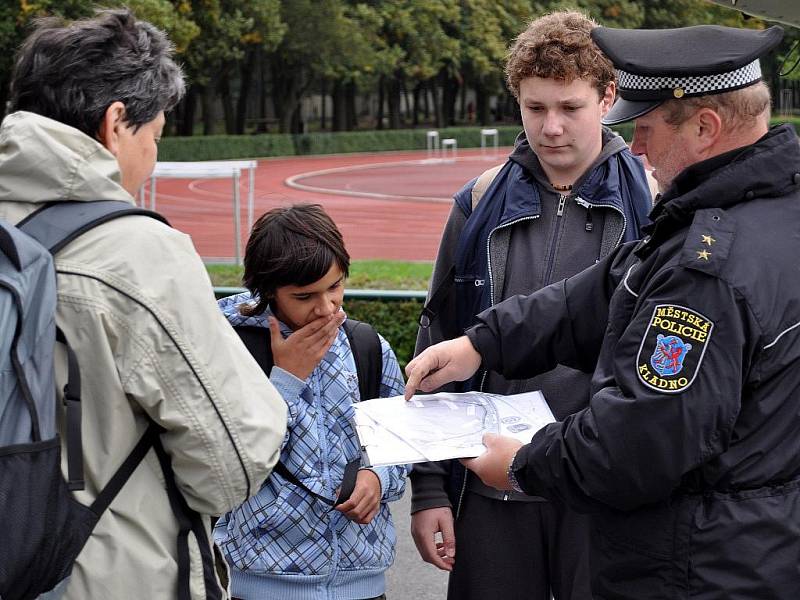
pixel 364 274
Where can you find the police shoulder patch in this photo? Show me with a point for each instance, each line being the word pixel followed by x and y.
pixel 672 348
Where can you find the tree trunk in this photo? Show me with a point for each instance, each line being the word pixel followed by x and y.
pixel 285 93
pixel 394 102
pixel 415 110
pixel 426 101
pixel 323 97
pixel 227 99
pixel 263 94
pixel 450 87
pixel 482 102
pixel 338 122
pixel 297 121
pixel 351 115
pixel 209 117
pixel 463 110
pixel 187 111
pixel 437 105
pixel 379 116
pixel 246 80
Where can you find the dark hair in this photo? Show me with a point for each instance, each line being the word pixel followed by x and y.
pixel 294 245
pixel 73 72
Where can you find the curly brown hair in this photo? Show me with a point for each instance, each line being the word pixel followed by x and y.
pixel 558 46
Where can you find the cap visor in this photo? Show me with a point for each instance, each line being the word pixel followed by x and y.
pixel 626 110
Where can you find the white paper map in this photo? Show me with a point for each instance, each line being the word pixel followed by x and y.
pixel 444 425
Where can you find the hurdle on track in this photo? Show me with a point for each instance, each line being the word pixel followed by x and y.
pixel 432 143
pixel 452 145
pixel 485 135
pixel 211 169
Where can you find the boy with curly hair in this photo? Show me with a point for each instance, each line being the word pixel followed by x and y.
pixel 568 194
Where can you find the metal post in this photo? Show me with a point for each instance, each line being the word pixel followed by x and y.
pixel 251 197
pixel 237 224
pixel 486 133
pixel 452 145
pixel 432 143
pixel 152 192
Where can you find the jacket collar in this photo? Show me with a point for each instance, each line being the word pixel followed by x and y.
pixel 769 168
pixel 765 169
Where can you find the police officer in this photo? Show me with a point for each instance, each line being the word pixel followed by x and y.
pixel 688 456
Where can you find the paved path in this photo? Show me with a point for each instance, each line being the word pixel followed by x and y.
pixel 391 205
pixel 410 578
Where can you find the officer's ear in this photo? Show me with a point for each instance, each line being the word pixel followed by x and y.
pixel 706 130
pixel 607 100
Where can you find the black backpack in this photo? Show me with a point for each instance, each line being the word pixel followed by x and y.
pixel 45 527
pixel 368 356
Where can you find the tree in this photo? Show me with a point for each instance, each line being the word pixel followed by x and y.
pixel 487 28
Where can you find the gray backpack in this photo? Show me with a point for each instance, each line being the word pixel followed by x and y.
pixel 45 527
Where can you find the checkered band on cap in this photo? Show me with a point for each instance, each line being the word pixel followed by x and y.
pixel 692 86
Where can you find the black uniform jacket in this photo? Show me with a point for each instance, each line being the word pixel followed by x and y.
pixel 688 456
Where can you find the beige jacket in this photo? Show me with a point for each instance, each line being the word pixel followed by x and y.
pixel 136 304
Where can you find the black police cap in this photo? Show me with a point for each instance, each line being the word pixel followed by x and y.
pixel 654 65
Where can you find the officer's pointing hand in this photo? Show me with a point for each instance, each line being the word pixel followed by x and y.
pixel 453 360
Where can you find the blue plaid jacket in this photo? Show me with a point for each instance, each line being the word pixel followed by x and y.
pixel 283 534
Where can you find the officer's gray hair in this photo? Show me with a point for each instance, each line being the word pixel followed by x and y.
pixel 737 109
pixel 73 72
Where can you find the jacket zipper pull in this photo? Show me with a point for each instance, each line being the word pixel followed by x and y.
pixel 561 202
pixel 589 225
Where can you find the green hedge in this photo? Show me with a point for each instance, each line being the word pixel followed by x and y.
pixel 396 320
pixel 218 147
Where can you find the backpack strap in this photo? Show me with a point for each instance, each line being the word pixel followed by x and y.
pixel 482 184
pixel 56 224
pixel 368 356
pixel 436 298
pixel 72 421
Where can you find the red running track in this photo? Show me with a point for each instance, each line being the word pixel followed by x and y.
pixel 388 205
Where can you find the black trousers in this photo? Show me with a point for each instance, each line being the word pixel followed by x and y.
pixel 519 551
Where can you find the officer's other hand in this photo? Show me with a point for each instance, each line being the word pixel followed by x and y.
pixel 425 524
pixel 492 465
pixel 300 353
pixel 364 502
pixel 453 360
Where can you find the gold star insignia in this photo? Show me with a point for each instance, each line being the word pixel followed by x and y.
pixel 707 239
pixel 703 254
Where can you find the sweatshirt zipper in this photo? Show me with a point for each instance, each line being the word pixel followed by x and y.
pixel 562 200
